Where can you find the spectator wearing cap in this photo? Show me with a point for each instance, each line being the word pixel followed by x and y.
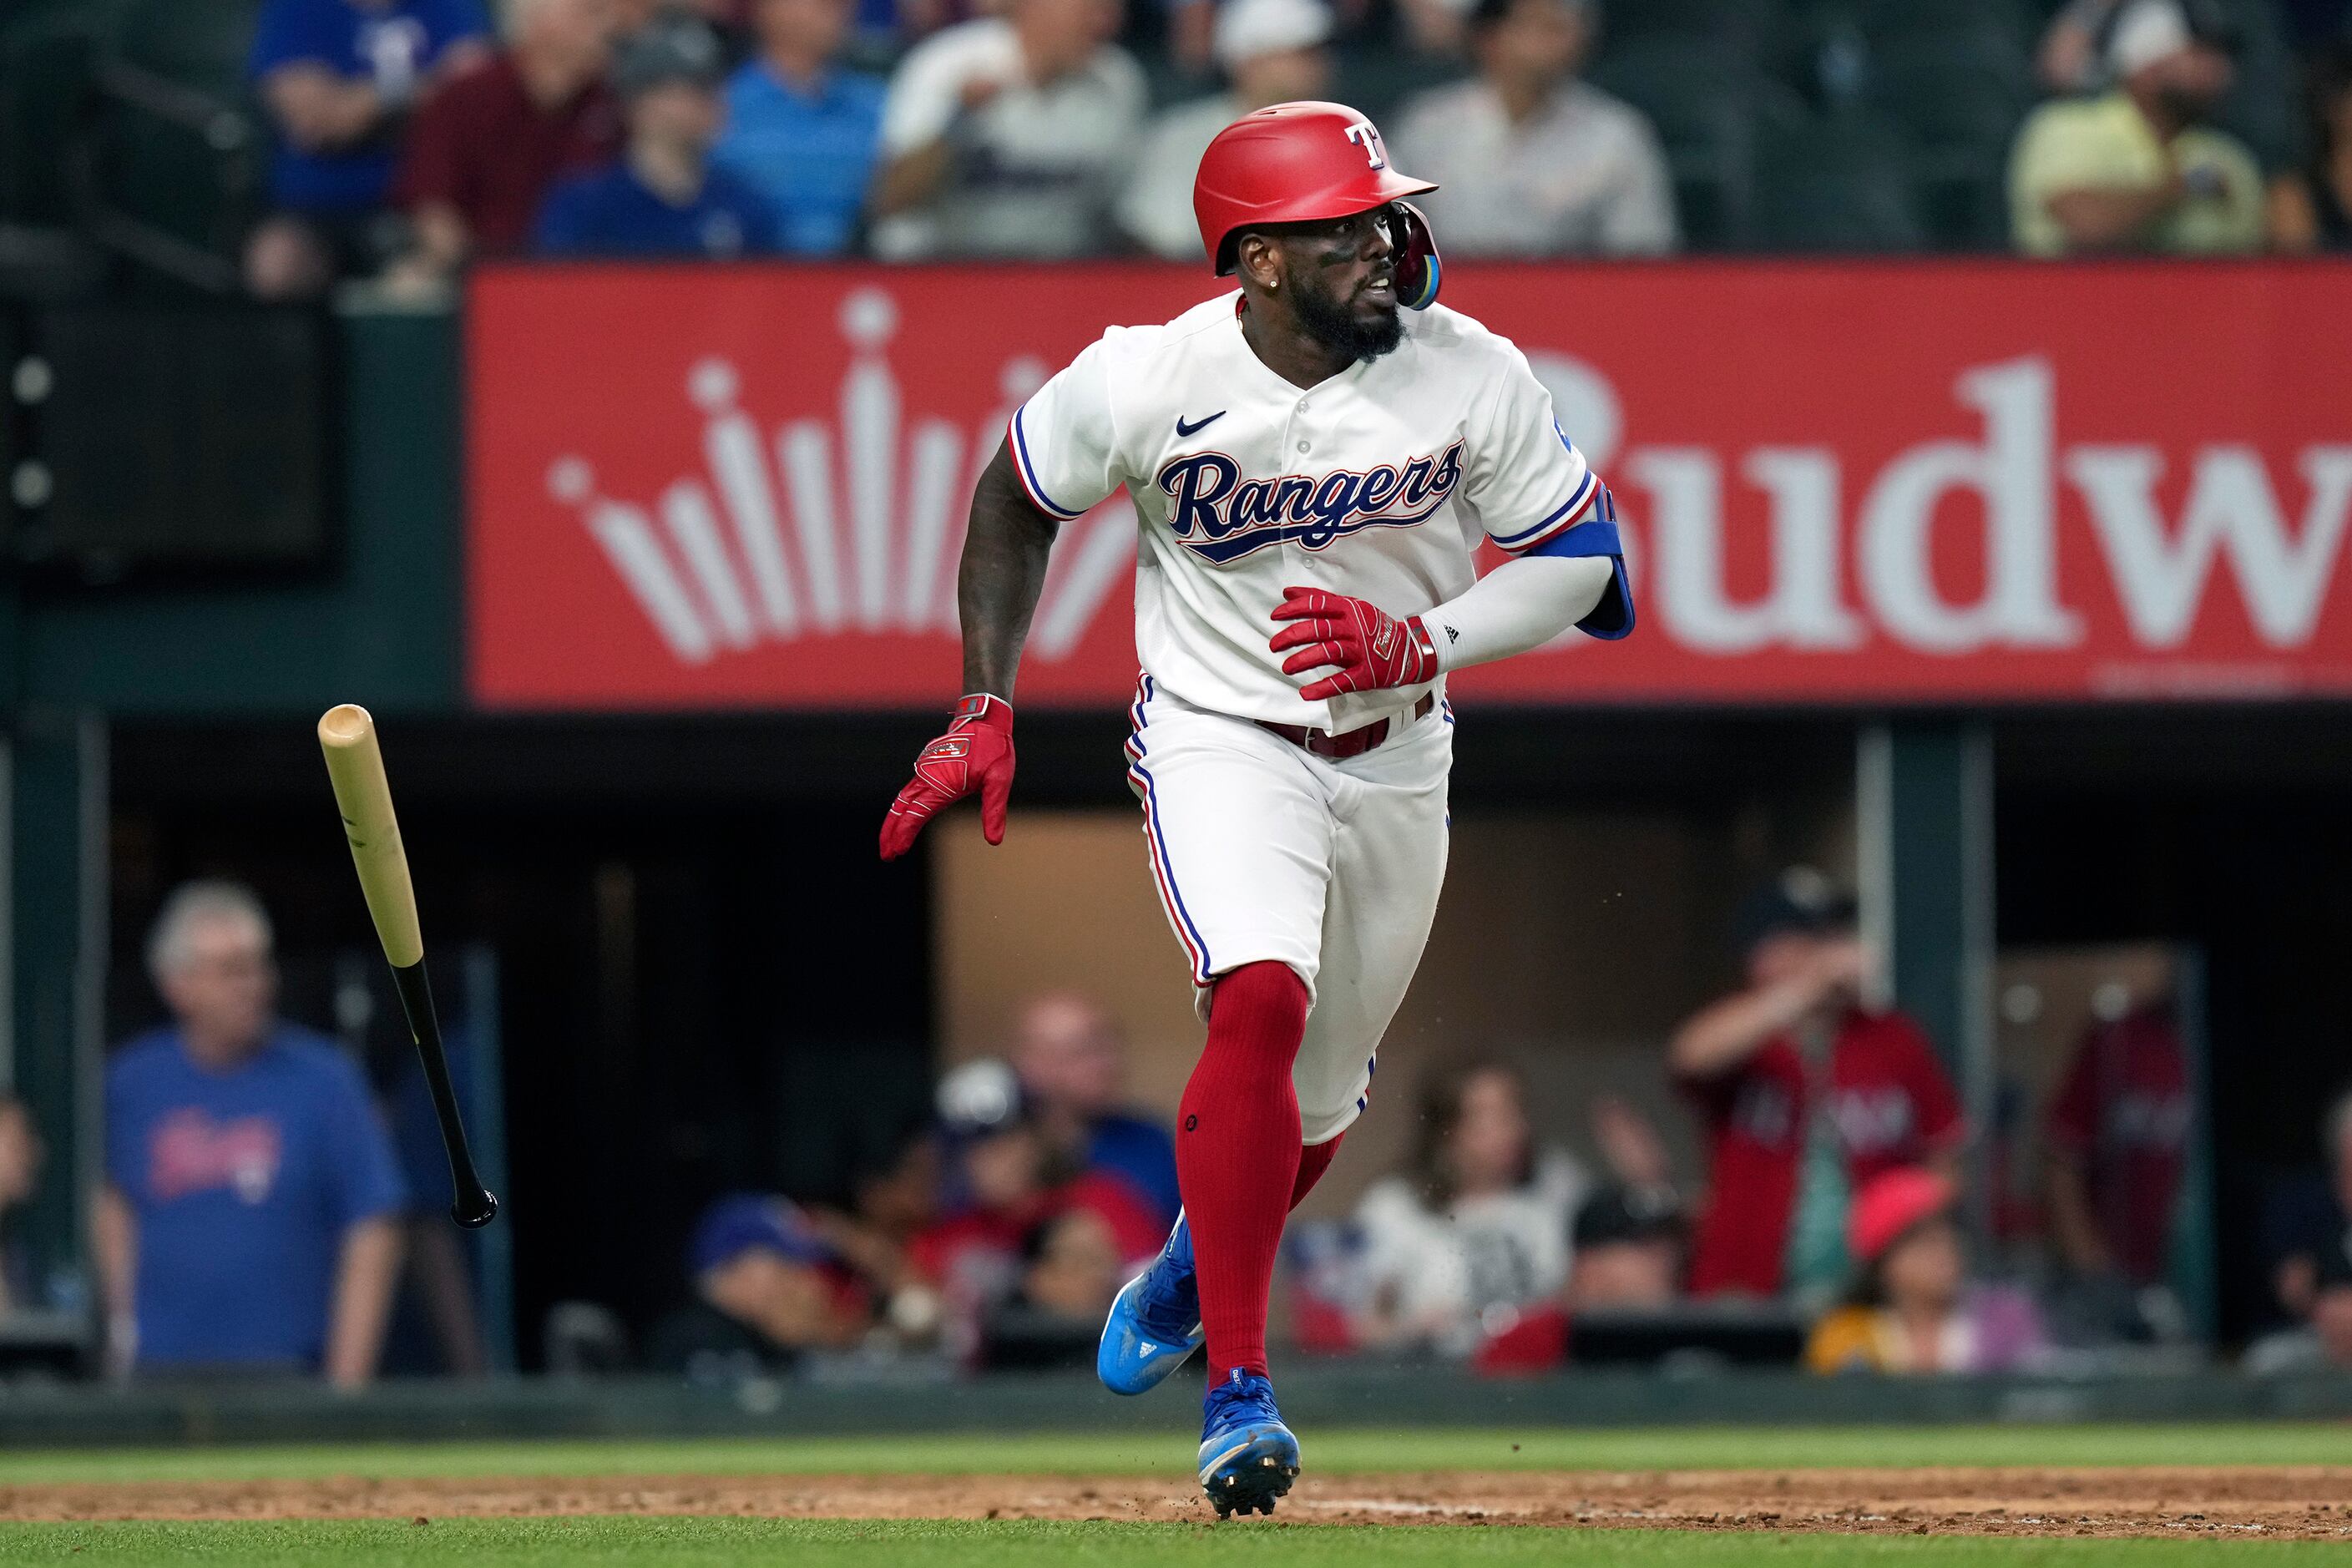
pixel 1071 1059
pixel 337 78
pixel 665 197
pixel 1005 1180
pixel 1629 1243
pixel 249 1218
pixel 1912 1308
pixel 1010 135
pixel 768 1287
pixel 485 150
pixel 1805 1094
pixel 2139 170
pixel 1529 160
pixel 802 129
pixel 1272 51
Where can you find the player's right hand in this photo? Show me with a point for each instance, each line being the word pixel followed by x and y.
pixel 974 755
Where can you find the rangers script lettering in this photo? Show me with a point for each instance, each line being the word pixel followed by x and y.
pixel 1216 514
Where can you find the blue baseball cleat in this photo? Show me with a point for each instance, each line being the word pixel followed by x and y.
pixel 1154 1322
pixel 1248 1457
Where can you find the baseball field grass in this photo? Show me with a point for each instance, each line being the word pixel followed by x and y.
pixel 1680 1498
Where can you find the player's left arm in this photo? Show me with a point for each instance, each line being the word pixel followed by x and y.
pixel 1543 506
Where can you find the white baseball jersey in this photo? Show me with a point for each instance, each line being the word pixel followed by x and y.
pixel 1377 483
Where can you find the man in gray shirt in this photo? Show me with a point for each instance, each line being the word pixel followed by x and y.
pixel 1528 159
pixel 1009 135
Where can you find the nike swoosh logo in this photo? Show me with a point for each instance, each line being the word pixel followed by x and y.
pixel 1197 425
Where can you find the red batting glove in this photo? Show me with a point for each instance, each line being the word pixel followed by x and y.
pixel 975 754
pixel 1368 649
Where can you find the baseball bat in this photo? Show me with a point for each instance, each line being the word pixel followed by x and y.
pixel 363 796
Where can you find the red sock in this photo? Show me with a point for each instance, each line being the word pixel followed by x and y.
pixel 1312 1160
pixel 1238 1154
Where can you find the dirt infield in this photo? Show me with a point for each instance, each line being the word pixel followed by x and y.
pixel 2300 1503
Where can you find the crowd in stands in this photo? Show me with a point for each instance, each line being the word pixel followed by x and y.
pixel 260 1209
pixel 413 135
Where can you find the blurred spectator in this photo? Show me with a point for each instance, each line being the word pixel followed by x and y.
pixel 22 1155
pixel 2071 57
pixel 2137 170
pixel 768 1287
pixel 1006 1181
pixel 665 197
pixel 2311 208
pixel 1629 1243
pixel 892 1205
pixel 2312 1222
pixel 1009 136
pixel 1912 1309
pixel 336 78
pixel 1272 51
pixel 2324 1341
pixel 1477 1231
pixel 1072 1062
pixel 1626 1259
pixel 1071 1269
pixel 802 130
pixel 2119 1147
pixel 483 152
pixel 250 1215
pixel 1528 159
pixel 1806 1095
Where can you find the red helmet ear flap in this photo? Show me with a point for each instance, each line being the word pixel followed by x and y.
pixel 1417 267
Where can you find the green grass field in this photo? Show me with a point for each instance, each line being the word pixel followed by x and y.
pixel 1331 1451
pixel 726 1542
pixel 733 1543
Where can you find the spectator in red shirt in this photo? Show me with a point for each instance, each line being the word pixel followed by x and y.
pixel 483 151
pixel 2118 1141
pixel 1008 1189
pixel 1806 1095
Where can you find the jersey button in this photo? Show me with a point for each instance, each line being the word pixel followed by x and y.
pixel 1305 446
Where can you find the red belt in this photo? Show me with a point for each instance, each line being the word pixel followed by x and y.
pixel 1352 742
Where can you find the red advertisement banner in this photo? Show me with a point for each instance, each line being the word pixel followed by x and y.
pixel 1921 482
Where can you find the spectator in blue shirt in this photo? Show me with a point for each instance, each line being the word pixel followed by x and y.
pixel 337 77
pixel 664 198
pixel 802 129
pixel 1072 1062
pixel 250 1213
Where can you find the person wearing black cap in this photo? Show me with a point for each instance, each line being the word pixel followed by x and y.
pixel 664 198
pixel 1806 1094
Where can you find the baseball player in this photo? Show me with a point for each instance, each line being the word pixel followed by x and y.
pixel 1311 468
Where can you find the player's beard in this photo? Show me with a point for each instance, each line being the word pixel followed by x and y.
pixel 1333 321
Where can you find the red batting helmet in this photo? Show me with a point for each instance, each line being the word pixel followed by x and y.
pixel 1304 162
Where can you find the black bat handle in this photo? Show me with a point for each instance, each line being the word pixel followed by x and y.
pixel 474 1204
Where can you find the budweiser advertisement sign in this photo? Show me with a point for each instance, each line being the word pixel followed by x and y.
pixel 1980 481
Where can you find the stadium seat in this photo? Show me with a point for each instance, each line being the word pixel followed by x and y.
pixel 1380 79
pixel 1752 23
pixel 168 170
pixel 48 55
pixel 1956 100
pixel 1703 98
pixel 1833 183
pixel 2264 108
